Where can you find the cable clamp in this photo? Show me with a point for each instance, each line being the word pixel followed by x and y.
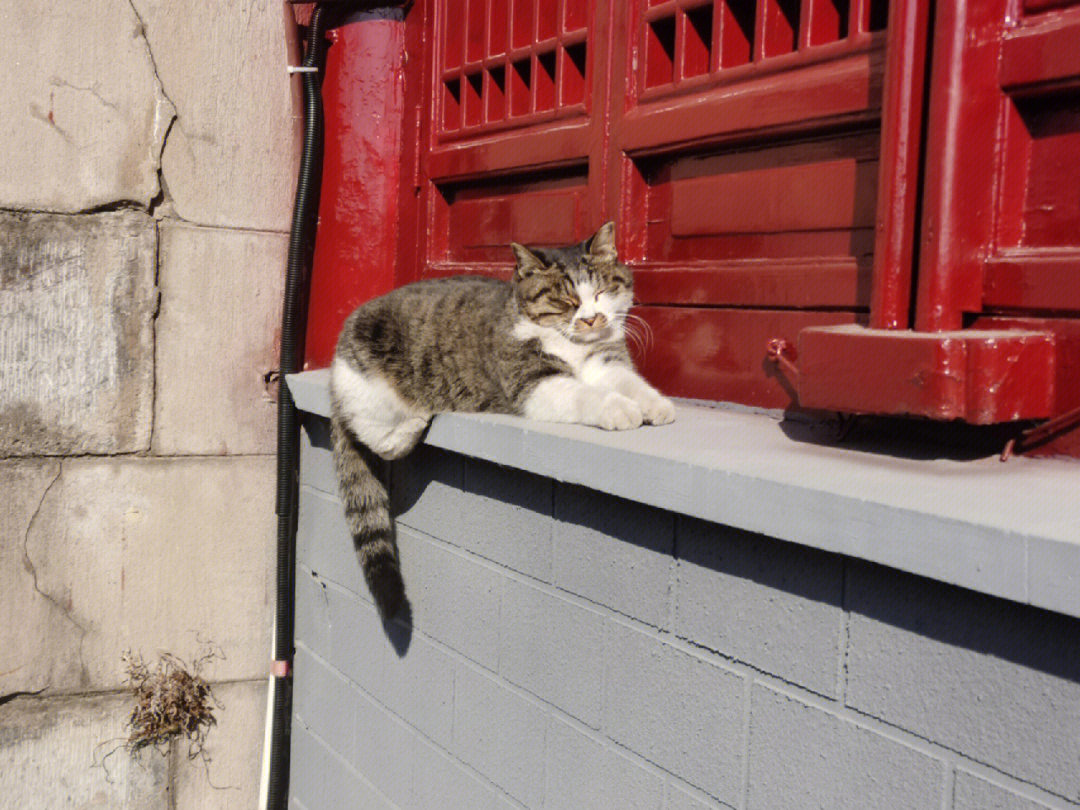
pixel 301 69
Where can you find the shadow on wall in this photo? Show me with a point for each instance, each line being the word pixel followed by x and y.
pixel 911 438
pixel 631 537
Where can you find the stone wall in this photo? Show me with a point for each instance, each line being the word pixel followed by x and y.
pixel 568 649
pixel 145 195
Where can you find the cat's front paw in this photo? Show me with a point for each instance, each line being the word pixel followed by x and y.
pixel 619 413
pixel 658 410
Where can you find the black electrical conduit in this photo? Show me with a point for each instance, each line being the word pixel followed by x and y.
pixel 292 321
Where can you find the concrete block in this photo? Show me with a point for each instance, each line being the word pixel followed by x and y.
pixel 384 747
pixel 325 704
pixel 801 756
pixel 496 512
pixel 312 613
pixel 324 544
pixel 426 492
pixel 217 330
pixel 677 798
pixel 230 159
pixel 554 649
pixel 68 752
pixel 403 671
pixel 230 777
pixel 82 114
pixel 675 709
pixel 994 680
pixel 583 773
pixel 442 782
pixel 152 555
pixel 500 734
pixel 774 605
pixel 509 520
pixel 320 779
pixel 972 793
pixel 77 300
pixel 316 460
pixel 454 598
pixel 614 552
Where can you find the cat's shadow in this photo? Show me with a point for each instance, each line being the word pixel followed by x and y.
pixel 399 629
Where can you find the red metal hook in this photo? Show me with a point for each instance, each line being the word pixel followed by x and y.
pixel 777 350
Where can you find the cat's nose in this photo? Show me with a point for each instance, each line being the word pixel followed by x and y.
pixel 593 321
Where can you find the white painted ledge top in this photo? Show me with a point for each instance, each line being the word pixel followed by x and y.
pixel 1007 529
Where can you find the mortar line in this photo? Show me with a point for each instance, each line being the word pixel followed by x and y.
pixel 744 793
pixel 948 786
pixel 845 634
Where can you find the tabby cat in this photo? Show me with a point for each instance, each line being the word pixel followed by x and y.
pixel 549 345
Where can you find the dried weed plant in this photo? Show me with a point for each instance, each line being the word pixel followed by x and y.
pixel 172 701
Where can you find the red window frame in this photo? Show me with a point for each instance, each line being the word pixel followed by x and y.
pixel 769 173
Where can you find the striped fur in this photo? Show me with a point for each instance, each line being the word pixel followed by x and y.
pixel 549 345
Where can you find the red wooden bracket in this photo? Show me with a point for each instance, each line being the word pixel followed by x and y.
pixel 981 376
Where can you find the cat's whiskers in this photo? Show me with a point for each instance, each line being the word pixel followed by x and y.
pixel 636 330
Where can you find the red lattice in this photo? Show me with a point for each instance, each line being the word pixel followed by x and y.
pixel 510 62
pixel 685 39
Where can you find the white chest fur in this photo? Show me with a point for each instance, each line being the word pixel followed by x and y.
pixel 553 343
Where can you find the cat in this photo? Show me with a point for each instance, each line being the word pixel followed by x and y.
pixel 549 345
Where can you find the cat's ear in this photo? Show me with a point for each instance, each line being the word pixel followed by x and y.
pixel 602 243
pixel 527 261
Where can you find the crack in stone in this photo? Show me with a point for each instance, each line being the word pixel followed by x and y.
pixel 162 197
pixel 56 81
pixel 28 563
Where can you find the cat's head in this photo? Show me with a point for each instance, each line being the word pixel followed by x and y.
pixel 583 291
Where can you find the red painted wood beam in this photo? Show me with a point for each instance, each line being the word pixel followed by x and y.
pixel 982 376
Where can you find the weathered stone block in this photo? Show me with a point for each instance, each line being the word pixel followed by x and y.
pixel 994 680
pixel 220 314
pixel 229 777
pixel 77 300
pixel 69 752
pixel 775 605
pixel 230 159
pixel 29 615
pixel 801 756
pixel 675 709
pixel 148 555
pixel 82 114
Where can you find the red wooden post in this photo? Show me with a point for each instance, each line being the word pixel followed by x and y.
pixel 358 208
pixel 898 169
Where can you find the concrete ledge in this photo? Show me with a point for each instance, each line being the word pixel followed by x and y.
pixel 1009 530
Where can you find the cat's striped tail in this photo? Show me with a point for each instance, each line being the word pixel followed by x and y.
pixel 367 514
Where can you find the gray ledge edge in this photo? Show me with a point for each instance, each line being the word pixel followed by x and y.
pixel 1011 530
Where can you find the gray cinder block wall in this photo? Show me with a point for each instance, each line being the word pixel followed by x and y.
pixel 149 151
pixel 568 649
